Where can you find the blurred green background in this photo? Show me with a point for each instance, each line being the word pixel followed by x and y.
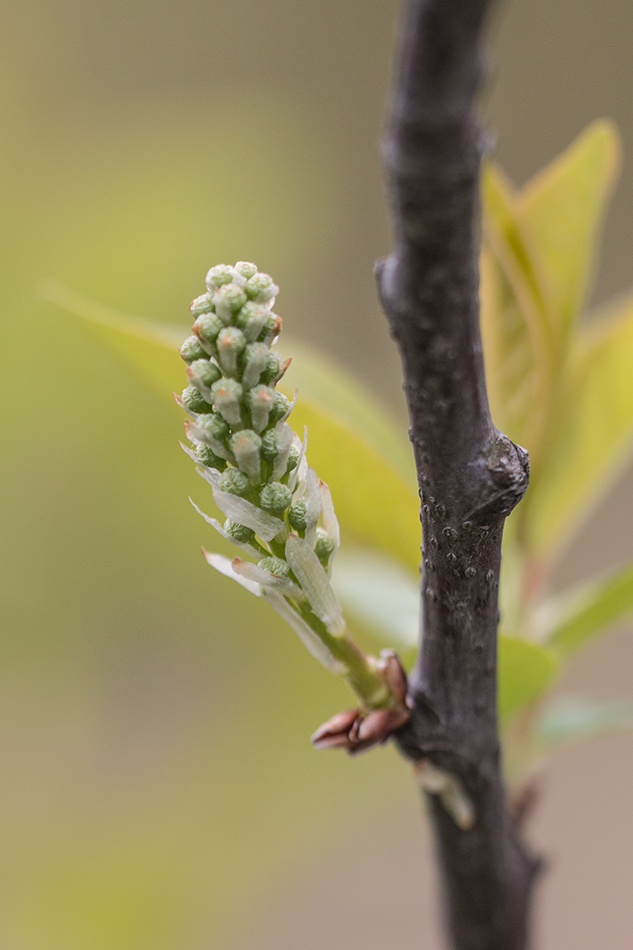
pixel 157 788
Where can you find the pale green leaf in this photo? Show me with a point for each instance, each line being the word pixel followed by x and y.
pixel 583 614
pixel 571 719
pixel 562 210
pixel 380 593
pixel 353 443
pixel 387 601
pixel 594 431
pixel 526 670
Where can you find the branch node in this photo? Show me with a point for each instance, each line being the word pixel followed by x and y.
pixel 449 791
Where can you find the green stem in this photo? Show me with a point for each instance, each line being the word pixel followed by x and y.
pixel 362 675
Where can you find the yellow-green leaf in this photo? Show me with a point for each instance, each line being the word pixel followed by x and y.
pixel 150 349
pixel 351 449
pixel 549 391
pixel 526 670
pixel 338 394
pixel 584 614
pixel 562 210
pixel 515 330
pixel 594 431
pixel 353 443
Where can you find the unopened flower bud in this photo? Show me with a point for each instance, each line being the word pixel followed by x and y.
pixel 255 362
pixel 203 374
pixel 245 269
pixel 271 329
pixel 280 406
pixel 260 401
pixel 213 430
pixel 217 276
pixel 269 445
pixel 234 482
pixel 227 395
pixel 273 370
pixel 227 300
pixel 239 532
pixel 194 401
pixel 247 312
pixel 324 547
pixel 246 446
pixel 207 456
pixel 200 305
pixel 275 565
pixel 297 515
pixel 261 288
pixel 251 320
pixel 206 328
pixel 230 344
pixel 275 497
pixel 275 449
pixel 192 350
pixel 293 458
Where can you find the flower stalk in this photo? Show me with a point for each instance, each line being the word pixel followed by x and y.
pixel 277 510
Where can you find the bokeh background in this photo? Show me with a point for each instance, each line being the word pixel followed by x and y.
pixel 157 789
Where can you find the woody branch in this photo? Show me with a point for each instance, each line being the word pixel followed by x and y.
pixel 470 475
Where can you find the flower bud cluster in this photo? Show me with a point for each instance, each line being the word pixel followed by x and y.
pixel 276 508
pixel 238 422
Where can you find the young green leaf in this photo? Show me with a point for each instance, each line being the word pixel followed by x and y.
pixel 535 272
pixel 350 403
pixel 571 719
pixel 562 210
pixel 593 434
pixel 373 501
pixel 380 593
pixel 526 671
pixel 515 329
pixel 581 615
pixel 150 349
pixel 387 601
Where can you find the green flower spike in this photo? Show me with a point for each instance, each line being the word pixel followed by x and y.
pixel 277 510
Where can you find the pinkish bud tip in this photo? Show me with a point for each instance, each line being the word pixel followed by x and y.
pixel 394 675
pixel 356 733
pixel 334 734
pixel 378 725
pixel 340 741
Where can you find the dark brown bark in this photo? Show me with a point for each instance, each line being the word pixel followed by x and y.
pixel 470 475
